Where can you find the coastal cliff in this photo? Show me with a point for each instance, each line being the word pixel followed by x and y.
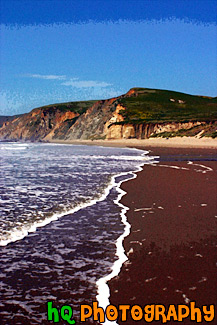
pixel 140 113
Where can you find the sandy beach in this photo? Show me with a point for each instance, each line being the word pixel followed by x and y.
pixel 176 142
pixel 171 248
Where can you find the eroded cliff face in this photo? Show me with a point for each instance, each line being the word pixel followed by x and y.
pixel 146 130
pixel 39 124
pixel 95 123
pixel 102 119
pixel 92 124
pixel 50 123
pixel 114 129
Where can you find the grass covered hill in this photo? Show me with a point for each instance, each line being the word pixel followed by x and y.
pixel 79 107
pixel 160 106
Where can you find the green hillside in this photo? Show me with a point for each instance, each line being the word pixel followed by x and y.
pixel 76 107
pixel 157 106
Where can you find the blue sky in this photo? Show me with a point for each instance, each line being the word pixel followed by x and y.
pixel 59 50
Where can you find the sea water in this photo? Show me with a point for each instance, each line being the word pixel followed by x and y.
pixel 60 223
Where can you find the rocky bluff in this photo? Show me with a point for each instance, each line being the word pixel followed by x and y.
pixel 140 113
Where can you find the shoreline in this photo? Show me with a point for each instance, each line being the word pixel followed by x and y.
pixel 103 296
pixel 171 246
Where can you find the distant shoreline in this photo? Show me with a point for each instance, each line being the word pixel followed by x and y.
pixel 175 142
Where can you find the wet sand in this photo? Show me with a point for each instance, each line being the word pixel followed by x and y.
pixel 172 245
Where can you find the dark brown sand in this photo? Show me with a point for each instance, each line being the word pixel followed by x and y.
pixel 172 245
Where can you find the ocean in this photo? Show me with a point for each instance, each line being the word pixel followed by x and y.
pixel 61 226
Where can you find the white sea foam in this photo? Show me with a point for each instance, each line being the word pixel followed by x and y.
pixel 204 170
pixel 169 166
pixel 142 209
pixel 137 158
pixel 21 230
pixel 19 234
pixel 14 146
pixel 103 288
